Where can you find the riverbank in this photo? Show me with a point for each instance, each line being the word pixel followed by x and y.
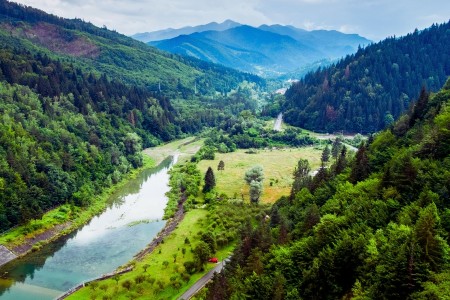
pixel 60 221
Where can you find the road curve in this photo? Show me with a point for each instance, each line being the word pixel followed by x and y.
pixel 203 281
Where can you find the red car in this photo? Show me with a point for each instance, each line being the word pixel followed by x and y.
pixel 213 260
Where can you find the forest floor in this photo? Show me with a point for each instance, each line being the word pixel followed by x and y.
pixel 278 165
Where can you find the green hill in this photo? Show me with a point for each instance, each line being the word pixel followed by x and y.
pixel 371 226
pixel 103 51
pixel 78 103
pixel 364 91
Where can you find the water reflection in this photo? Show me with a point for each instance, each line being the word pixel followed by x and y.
pixel 111 239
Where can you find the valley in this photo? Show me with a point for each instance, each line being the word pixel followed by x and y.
pixel 313 161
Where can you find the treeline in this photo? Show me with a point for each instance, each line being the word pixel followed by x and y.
pixel 246 131
pixel 364 92
pixel 372 226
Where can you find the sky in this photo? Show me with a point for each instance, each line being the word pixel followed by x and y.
pixel 373 19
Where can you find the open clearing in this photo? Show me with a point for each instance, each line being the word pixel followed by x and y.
pixel 278 168
pixel 185 148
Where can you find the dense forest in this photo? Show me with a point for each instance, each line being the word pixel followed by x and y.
pixel 372 226
pixel 68 131
pixel 100 50
pixel 366 91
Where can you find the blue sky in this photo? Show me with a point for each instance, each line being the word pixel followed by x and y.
pixel 374 19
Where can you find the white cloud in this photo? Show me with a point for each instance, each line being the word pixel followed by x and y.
pixel 374 19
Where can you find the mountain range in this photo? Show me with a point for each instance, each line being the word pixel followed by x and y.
pixel 171 32
pixel 267 50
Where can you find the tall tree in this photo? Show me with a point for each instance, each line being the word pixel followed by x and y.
pixel 254 178
pixel 336 148
pixel 301 176
pixel 326 154
pixel 360 170
pixel 256 173
pixel 210 181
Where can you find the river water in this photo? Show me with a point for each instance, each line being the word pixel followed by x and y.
pixel 109 240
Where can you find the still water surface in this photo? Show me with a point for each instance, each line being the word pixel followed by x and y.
pixel 131 221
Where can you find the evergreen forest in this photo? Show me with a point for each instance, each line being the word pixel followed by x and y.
pixel 366 91
pixel 372 226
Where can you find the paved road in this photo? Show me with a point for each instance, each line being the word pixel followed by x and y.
pixel 203 281
pixel 278 121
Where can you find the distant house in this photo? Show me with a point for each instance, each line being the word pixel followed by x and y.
pixel 213 260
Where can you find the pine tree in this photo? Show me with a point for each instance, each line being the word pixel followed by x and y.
pixel 342 161
pixel 301 177
pixel 221 166
pixel 337 144
pixel 210 181
pixel 360 170
pixel 326 154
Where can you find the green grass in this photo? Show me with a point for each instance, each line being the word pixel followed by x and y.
pixel 185 148
pixel 173 244
pixel 278 168
pixel 66 213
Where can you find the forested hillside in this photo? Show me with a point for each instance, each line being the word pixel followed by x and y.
pixel 66 134
pixel 100 50
pixel 68 129
pixel 372 226
pixel 364 92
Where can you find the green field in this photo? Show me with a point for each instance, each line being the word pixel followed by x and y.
pixel 278 168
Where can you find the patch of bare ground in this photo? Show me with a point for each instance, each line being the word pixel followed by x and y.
pixel 56 39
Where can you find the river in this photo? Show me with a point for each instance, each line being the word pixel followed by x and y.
pixel 132 219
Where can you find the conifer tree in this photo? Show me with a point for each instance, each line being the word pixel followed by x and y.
pixel 326 154
pixel 360 170
pixel 210 181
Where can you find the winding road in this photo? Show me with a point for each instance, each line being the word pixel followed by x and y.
pixel 203 281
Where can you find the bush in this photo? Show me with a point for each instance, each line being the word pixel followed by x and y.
pixel 190 267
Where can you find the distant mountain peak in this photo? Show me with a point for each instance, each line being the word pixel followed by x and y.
pixel 267 50
pixel 169 33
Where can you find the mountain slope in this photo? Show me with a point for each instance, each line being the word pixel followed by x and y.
pixel 172 33
pixel 245 48
pixel 267 50
pixel 75 109
pixel 334 43
pixel 363 92
pixel 373 226
pixel 104 51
